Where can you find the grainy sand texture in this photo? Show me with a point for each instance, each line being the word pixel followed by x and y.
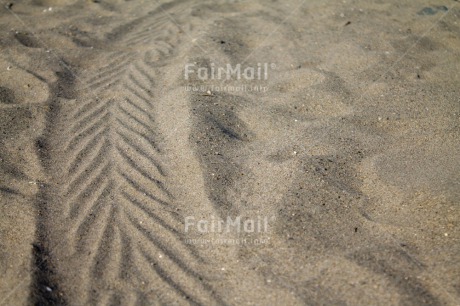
pixel 229 152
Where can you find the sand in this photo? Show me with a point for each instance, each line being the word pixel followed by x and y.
pixel 339 157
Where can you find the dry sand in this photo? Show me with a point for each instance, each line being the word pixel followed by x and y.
pixel 352 153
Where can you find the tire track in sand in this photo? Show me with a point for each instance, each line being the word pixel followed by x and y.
pixel 109 226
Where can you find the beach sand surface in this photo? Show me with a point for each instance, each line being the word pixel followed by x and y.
pixel 346 149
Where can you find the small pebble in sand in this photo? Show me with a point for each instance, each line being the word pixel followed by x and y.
pixel 9 68
pixel 208 93
pixel 48 289
pixel 433 10
pixel 446 234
